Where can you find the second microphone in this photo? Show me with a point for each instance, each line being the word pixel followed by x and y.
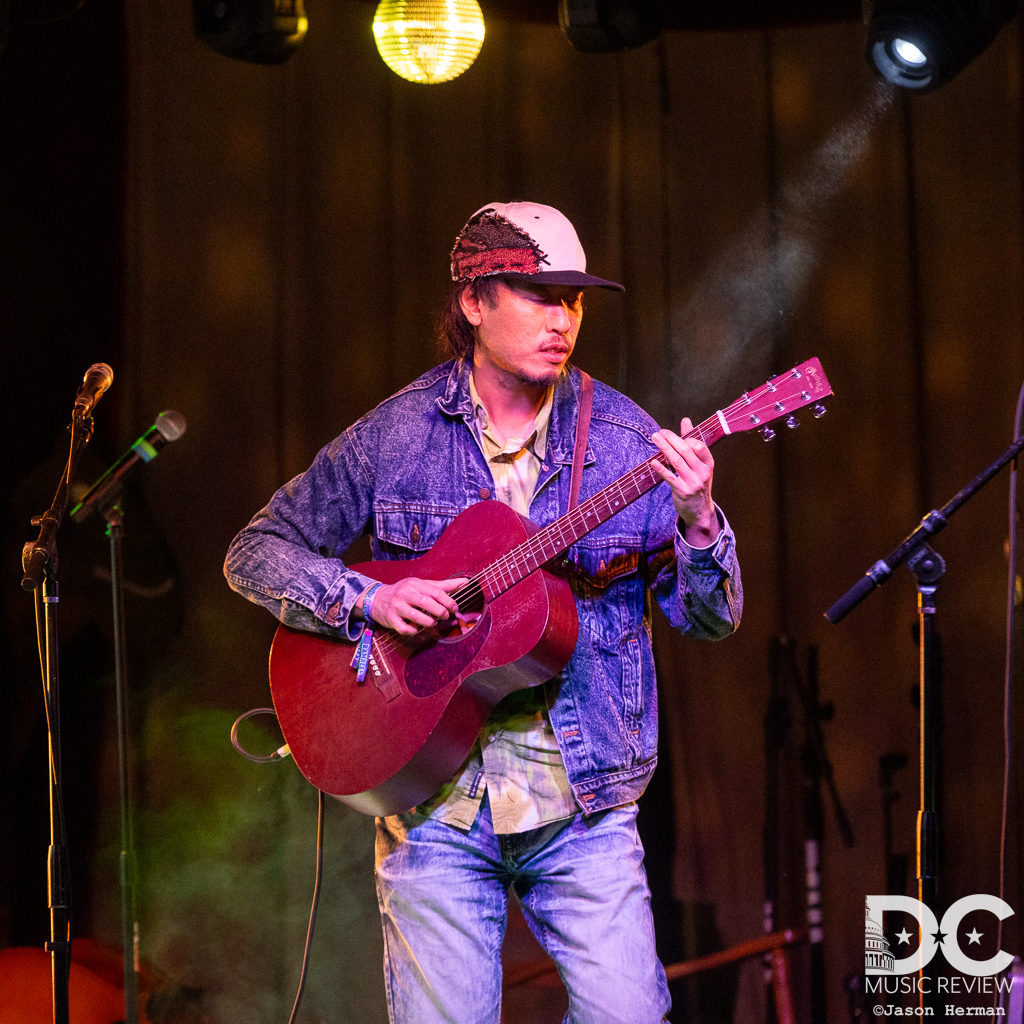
pixel 169 426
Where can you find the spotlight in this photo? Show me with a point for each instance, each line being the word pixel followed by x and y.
pixel 258 31
pixel 921 44
pixel 428 41
pixel 605 26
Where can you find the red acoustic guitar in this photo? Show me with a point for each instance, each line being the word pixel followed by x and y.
pixel 386 743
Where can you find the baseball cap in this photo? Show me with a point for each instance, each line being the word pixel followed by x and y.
pixel 528 240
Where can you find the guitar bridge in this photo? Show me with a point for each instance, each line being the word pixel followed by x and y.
pixel 383 678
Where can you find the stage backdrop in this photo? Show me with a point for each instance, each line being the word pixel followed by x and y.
pixel 264 249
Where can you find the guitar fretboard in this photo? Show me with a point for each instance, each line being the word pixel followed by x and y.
pixel 557 537
pixel 779 397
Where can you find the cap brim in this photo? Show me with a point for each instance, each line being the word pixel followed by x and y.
pixel 571 278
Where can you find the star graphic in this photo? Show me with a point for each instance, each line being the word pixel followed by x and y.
pixel 974 935
pixel 903 936
pixel 939 936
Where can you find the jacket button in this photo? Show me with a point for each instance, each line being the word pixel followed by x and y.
pixel 484 492
pixel 414 533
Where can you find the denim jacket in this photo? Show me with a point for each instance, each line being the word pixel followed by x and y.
pixel 405 470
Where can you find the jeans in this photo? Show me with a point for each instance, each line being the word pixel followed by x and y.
pixel 443 897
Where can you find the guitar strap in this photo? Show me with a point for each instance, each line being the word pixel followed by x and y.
pixel 582 428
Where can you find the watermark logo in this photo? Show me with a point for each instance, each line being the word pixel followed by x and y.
pixel 934 935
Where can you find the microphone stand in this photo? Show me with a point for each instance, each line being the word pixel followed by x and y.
pixel 776 725
pixel 932 523
pixel 39 565
pixel 928 568
pixel 106 495
pixel 816 770
pixel 128 874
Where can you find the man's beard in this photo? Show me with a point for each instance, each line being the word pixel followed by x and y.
pixel 543 379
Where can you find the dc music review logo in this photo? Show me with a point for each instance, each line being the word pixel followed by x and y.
pixel 879 958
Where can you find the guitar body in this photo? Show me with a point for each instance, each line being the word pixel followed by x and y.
pixel 387 743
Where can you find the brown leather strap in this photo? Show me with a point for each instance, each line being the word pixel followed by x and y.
pixel 582 428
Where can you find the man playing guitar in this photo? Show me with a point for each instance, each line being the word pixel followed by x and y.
pixel 554 695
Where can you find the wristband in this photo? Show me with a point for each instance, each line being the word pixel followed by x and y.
pixel 364 647
pixel 368 601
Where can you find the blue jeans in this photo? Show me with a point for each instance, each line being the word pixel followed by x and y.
pixel 443 897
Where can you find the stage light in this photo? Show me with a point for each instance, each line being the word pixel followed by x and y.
pixel 607 26
pixel 907 52
pixel 428 41
pixel 922 44
pixel 258 31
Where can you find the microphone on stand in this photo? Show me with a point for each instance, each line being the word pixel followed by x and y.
pixel 97 379
pixel 36 556
pixel 169 426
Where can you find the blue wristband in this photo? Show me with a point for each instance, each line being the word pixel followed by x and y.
pixel 368 602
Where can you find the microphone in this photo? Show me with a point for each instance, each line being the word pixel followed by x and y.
pixel 97 379
pixel 169 426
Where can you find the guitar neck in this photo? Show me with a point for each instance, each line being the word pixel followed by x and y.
pixel 557 537
pixel 778 398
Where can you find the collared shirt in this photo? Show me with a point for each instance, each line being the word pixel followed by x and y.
pixel 516 758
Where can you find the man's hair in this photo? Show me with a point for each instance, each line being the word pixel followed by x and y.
pixel 455 333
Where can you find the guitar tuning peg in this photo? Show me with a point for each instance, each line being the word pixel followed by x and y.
pixel 819 410
pixel 767 433
pixel 792 422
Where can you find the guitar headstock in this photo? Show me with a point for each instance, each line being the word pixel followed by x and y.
pixel 779 397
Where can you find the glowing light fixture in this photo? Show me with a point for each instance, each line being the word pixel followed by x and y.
pixel 428 41
pixel 908 53
pixel 921 44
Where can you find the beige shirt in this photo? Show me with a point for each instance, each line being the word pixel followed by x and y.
pixel 516 760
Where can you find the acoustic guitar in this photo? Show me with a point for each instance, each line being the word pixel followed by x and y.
pixel 384 743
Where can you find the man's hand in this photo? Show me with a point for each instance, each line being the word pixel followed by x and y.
pixel 413 604
pixel 689 473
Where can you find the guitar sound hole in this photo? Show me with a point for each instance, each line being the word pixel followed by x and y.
pixel 445 658
pixel 472 604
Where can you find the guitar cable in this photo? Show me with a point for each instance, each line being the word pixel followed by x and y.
pixel 283 751
pixel 314 904
pixel 278 755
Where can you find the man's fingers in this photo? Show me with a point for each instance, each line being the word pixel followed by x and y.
pixel 413 604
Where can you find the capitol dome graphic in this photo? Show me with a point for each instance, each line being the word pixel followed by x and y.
pixel 877 957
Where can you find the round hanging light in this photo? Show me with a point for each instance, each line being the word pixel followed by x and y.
pixel 428 40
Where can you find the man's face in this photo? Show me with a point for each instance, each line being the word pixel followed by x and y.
pixel 528 334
